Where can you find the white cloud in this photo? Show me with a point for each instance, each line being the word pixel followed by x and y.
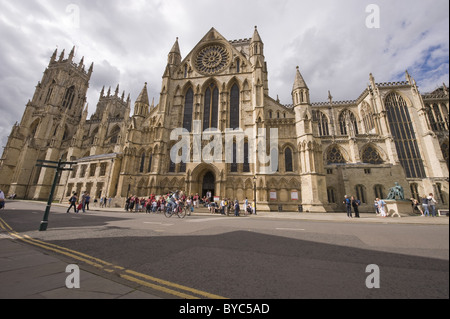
pixel 128 41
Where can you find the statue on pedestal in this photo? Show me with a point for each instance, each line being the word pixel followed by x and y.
pixel 396 191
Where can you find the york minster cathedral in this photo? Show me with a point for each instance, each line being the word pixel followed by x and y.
pixel 390 133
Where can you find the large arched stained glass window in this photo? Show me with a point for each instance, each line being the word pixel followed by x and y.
pixel 334 156
pixel 211 107
pixel 188 109
pixel 234 107
pixel 404 136
pixel 371 156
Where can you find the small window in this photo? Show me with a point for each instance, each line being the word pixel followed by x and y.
pixel 329 171
pixel 103 169
pixel 367 171
pixel 92 169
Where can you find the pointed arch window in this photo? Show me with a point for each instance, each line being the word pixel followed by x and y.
pixel 378 190
pixel 234 107
pixel 246 166
pixel 334 156
pixel 68 98
pixel 211 107
pixel 371 156
pixel 234 166
pixel 322 123
pixel 50 91
pixel 141 166
pixel 404 136
pixel 445 151
pixel 367 117
pixel 150 159
pixel 288 160
pixel 348 120
pixel 188 109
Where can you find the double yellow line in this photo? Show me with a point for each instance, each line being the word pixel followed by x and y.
pixel 130 275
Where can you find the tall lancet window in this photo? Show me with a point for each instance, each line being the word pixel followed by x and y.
pixel 404 136
pixel 68 98
pixel 188 109
pixel 234 107
pixel 211 107
pixel 348 120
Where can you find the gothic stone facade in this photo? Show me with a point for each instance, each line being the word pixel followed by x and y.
pixel 390 133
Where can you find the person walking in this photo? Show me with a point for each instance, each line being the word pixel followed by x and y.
pixel 355 204
pixel 348 206
pixel 425 206
pixel 432 204
pixel 73 202
pixel 416 206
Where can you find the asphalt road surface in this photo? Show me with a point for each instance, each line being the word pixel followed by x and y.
pixel 255 258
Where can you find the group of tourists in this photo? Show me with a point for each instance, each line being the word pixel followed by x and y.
pixel 227 205
pixel 351 202
pixel 154 204
pixel 428 203
pixel 81 203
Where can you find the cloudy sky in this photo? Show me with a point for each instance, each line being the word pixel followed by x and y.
pixel 128 41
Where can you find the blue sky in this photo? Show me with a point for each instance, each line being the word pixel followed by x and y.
pixel 128 41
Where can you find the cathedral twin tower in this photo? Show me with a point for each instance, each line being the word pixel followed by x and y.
pixel 321 149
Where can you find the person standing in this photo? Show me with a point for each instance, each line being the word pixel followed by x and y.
pixel 432 204
pixel 236 207
pixel 83 201
pixel 381 207
pixel 355 204
pixel 425 206
pixel 2 199
pixel 375 203
pixel 348 206
pixel 222 206
pixel 87 198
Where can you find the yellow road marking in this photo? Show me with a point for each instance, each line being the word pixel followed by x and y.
pixel 106 266
pixel 170 284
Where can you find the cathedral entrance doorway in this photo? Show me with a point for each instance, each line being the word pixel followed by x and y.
pixel 208 185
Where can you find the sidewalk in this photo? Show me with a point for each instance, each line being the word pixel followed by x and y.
pixel 331 217
pixel 28 273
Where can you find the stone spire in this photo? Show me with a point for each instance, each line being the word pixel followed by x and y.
pixel 299 82
pixel 174 57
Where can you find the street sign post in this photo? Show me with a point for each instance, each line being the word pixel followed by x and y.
pixel 59 168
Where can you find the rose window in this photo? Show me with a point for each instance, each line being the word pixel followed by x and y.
pixel 212 59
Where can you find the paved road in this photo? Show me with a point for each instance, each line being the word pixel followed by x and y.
pixel 255 257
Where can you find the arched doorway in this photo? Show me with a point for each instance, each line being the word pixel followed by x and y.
pixel 208 184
